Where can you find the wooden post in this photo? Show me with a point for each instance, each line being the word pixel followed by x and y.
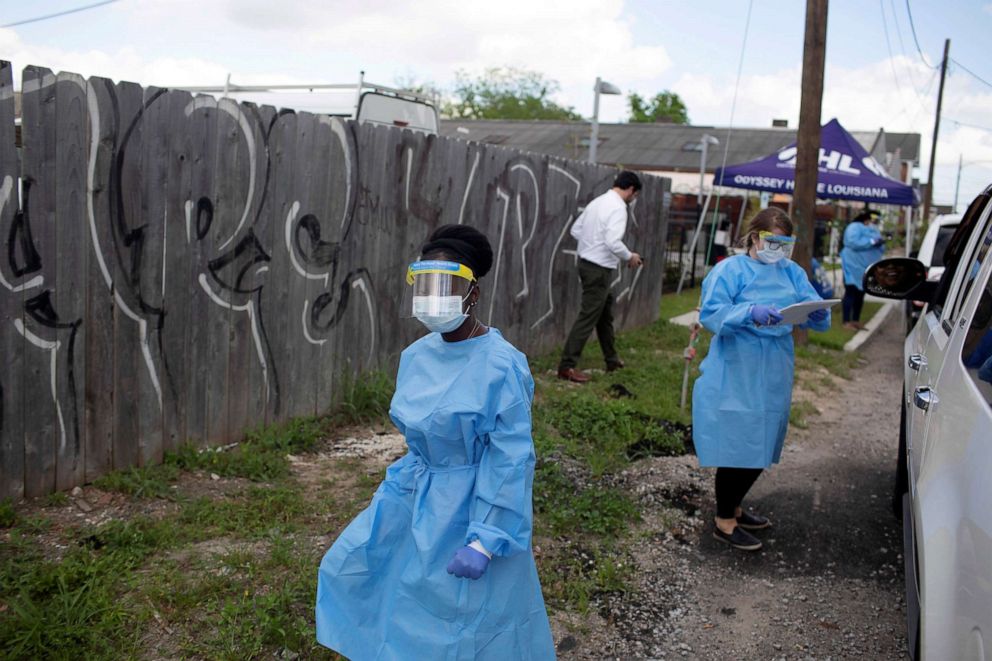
pixel 808 142
pixel 928 198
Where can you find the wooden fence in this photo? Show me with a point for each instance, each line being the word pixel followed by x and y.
pixel 184 268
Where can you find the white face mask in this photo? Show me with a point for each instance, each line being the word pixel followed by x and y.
pixel 767 256
pixel 440 314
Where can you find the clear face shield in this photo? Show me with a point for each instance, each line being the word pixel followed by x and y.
pixel 437 292
pixel 775 247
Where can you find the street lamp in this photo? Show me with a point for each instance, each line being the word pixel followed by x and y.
pixel 704 143
pixel 602 87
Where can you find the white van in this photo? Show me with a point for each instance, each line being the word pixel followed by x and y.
pixel 943 484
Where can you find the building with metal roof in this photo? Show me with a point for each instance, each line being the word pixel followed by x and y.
pixel 669 149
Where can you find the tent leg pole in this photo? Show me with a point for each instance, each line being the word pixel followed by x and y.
pixel 692 248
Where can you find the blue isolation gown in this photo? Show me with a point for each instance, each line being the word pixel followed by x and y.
pixel 383 591
pixel 859 251
pixel 740 403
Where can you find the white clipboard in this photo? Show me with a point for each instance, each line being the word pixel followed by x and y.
pixel 798 312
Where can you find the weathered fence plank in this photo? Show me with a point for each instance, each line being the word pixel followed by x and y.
pixel 99 330
pixel 118 243
pixel 210 266
pixel 69 299
pixel 12 379
pixel 42 432
pixel 176 291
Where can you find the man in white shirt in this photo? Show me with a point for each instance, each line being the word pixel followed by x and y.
pixel 599 231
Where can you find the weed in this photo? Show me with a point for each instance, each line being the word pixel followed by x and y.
pixel 144 482
pixel 8 515
pixel 572 577
pixel 57 499
pixel 800 413
pixel 567 511
pixel 365 398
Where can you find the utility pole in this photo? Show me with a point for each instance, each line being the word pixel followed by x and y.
pixel 808 139
pixel 928 198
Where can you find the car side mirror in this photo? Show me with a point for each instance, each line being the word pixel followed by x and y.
pixel 899 278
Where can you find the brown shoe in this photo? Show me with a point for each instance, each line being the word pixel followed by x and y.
pixel 572 374
pixel 615 365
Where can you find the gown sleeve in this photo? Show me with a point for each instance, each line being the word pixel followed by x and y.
pixel 718 312
pixel 501 516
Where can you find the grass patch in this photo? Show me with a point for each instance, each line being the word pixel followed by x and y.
pixel 564 510
pixel 8 515
pixel 572 576
pixel 838 363
pixel 673 305
pixel 838 336
pixel 365 398
pixel 800 413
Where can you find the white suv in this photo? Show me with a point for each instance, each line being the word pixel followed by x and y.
pixel 944 479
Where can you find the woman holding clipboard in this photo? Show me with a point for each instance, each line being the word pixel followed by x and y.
pixel 740 403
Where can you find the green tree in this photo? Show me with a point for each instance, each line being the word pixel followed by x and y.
pixel 506 93
pixel 665 107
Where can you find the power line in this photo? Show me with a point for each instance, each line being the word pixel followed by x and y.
pixel 915 40
pixel 888 45
pixel 975 75
pixel 971 126
pixel 57 14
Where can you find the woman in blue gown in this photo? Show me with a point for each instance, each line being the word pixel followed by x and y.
pixel 863 246
pixel 439 566
pixel 741 401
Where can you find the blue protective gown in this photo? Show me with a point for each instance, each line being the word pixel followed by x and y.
pixel 740 403
pixel 859 252
pixel 383 591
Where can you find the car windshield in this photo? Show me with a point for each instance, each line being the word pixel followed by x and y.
pixel 944 235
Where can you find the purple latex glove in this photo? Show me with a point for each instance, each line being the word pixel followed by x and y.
pixel 877 242
pixel 765 315
pixel 816 316
pixel 468 563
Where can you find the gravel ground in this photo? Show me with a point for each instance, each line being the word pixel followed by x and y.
pixel 828 583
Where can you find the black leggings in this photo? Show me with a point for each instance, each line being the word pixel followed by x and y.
pixel 854 298
pixel 732 484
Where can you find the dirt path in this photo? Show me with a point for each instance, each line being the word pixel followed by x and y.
pixel 828 584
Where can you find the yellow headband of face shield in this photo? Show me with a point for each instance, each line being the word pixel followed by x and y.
pixel 438 266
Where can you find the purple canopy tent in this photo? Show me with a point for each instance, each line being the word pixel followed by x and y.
pixel 846 171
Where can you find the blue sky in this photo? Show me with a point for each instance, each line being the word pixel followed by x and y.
pixel 690 47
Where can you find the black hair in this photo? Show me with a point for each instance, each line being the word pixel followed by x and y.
pixel 865 216
pixel 465 244
pixel 626 179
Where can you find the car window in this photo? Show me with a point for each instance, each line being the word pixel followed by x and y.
pixel 974 265
pixel 944 235
pixel 976 353
pixel 956 247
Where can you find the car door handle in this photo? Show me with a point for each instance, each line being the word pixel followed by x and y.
pixel 924 397
pixel 916 361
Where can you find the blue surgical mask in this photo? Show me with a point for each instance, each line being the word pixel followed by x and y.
pixel 440 314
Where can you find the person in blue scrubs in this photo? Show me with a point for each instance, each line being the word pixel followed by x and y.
pixel 439 566
pixel 741 401
pixel 863 246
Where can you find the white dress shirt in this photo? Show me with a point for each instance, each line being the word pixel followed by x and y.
pixel 600 229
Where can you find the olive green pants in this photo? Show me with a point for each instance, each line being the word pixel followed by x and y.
pixel 596 312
